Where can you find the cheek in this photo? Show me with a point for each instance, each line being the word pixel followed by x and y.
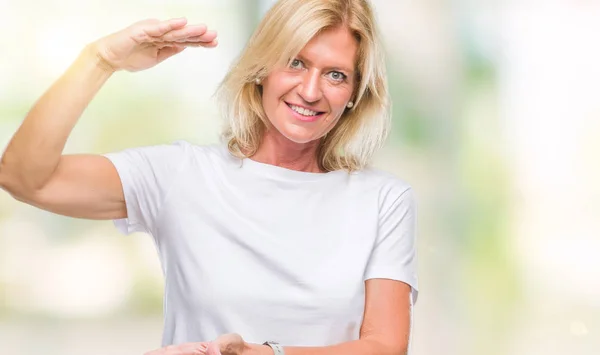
pixel 276 85
pixel 269 101
pixel 338 99
pixel 267 94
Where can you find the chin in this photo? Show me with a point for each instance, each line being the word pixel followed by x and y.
pixel 299 135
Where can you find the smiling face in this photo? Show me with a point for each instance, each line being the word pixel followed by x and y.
pixel 305 100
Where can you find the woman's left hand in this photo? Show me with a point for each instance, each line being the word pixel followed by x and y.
pixel 227 344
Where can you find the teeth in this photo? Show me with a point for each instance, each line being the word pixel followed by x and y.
pixel 303 111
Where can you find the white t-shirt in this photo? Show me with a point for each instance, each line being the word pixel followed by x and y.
pixel 263 251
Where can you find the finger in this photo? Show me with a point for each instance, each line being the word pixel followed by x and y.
pixel 213 349
pixel 160 28
pixel 210 44
pixel 200 44
pixel 192 349
pixel 207 37
pixel 182 349
pixel 185 32
pixel 147 30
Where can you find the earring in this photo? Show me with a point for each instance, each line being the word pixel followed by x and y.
pixel 257 81
pixel 350 104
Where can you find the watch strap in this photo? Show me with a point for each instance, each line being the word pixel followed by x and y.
pixel 277 348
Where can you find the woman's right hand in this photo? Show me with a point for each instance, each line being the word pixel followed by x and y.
pixel 149 42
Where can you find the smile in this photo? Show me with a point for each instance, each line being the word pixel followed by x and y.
pixel 305 114
pixel 303 111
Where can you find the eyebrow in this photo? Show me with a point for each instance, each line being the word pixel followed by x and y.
pixel 304 59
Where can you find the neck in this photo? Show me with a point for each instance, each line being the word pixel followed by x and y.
pixel 275 149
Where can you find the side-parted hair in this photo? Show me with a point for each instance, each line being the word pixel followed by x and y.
pixel 286 28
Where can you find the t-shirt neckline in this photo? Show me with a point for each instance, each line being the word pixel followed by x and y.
pixel 287 174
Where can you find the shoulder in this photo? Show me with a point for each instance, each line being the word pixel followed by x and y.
pixel 383 181
pixel 187 152
pixel 204 155
pixel 173 156
pixel 390 189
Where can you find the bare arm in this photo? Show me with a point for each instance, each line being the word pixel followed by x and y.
pixel 82 186
pixel 385 330
pixel 35 150
pixel 33 169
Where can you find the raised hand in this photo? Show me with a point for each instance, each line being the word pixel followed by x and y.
pixel 149 42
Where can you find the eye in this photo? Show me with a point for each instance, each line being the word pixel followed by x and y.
pixel 337 76
pixel 296 64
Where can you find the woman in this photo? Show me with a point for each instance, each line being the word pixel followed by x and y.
pixel 283 233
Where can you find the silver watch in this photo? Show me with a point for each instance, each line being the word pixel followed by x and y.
pixel 277 348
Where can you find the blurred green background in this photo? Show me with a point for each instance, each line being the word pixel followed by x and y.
pixel 496 126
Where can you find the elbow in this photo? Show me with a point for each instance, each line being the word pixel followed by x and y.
pixel 7 184
pixel 5 180
pixel 11 182
pixel 16 191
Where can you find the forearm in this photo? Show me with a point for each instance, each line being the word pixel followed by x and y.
pixel 356 347
pixel 35 149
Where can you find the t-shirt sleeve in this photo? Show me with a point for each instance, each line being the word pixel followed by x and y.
pixel 147 175
pixel 394 253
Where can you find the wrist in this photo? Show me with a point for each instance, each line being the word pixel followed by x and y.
pixel 91 55
pixel 257 349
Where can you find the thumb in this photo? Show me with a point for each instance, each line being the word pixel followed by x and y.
pixel 168 52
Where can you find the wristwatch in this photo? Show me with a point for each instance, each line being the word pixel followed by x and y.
pixel 277 348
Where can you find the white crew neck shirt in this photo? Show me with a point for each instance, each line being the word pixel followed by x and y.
pixel 263 251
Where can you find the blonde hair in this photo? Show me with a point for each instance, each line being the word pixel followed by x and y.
pixel 286 28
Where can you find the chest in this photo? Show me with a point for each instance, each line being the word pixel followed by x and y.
pixel 301 252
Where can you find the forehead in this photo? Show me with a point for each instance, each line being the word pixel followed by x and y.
pixel 332 48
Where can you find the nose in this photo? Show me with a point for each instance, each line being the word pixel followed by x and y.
pixel 310 87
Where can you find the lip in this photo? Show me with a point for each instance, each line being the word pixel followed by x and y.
pixel 304 118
